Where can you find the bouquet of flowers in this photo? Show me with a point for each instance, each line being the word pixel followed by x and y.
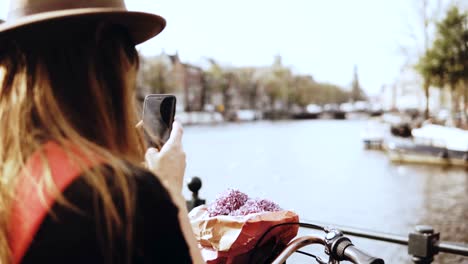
pixel 229 229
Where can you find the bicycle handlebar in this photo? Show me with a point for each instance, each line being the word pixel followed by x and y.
pixel 337 246
pixel 341 248
pixel 355 255
pixel 297 244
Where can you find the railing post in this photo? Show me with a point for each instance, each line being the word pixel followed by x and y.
pixel 422 244
pixel 194 186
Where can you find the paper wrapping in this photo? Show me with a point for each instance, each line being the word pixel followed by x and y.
pixel 229 239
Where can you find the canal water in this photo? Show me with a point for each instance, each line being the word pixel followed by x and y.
pixel 319 169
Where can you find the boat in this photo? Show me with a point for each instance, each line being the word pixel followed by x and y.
pixel 402 123
pixel 248 115
pixel 411 152
pixel 373 136
pixel 441 136
pixel 305 115
pixel 333 111
pixel 312 111
pixel 432 144
pixel 199 118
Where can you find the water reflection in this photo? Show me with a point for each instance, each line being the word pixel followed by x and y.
pixel 320 169
pixel 446 208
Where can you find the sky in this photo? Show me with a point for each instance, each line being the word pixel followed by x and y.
pixel 322 38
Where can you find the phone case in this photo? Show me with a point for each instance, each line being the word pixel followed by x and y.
pixel 158 116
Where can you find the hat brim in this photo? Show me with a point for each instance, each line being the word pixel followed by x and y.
pixel 141 26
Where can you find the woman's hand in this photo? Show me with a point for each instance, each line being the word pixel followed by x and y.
pixel 169 163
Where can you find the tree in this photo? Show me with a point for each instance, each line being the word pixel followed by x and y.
pixel 426 13
pixel 247 86
pixel 426 79
pixel 205 89
pixel 446 62
pixel 278 84
pixel 302 92
pixel 154 76
pixel 219 80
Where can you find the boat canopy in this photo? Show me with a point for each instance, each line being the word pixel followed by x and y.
pixel 441 136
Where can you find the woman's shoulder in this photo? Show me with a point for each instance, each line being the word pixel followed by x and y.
pixel 152 209
pixel 146 183
pixel 121 184
pixel 141 175
pixel 141 182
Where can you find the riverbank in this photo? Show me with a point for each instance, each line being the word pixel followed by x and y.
pixel 213 118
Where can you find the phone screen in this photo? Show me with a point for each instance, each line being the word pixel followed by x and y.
pixel 158 116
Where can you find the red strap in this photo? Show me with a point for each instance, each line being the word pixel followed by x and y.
pixel 29 208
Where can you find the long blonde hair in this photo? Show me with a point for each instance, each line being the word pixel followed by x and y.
pixel 73 85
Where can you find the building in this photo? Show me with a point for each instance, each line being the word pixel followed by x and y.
pixel 168 74
pixel 408 93
pixel 189 84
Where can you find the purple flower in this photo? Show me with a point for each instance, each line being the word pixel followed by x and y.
pixel 256 206
pixel 227 202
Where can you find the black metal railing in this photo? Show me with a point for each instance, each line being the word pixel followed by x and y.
pixel 423 243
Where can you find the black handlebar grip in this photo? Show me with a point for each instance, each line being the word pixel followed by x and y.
pixel 355 255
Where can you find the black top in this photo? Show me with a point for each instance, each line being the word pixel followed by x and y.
pixel 70 236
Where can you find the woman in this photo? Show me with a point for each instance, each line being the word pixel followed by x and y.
pixel 72 186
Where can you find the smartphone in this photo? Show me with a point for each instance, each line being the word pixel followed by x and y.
pixel 158 116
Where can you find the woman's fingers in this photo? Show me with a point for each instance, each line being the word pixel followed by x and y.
pixel 176 134
pixel 169 163
pixel 151 157
pixel 139 124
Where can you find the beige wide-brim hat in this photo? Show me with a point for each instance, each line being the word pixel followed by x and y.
pixel 36 13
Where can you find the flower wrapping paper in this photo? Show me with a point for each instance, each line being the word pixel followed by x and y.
pixel 231 239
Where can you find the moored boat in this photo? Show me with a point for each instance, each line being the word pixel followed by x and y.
pixel 441 136
pixel 432 144
pixel 312 111
pixel 411 152
pixel 373 135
